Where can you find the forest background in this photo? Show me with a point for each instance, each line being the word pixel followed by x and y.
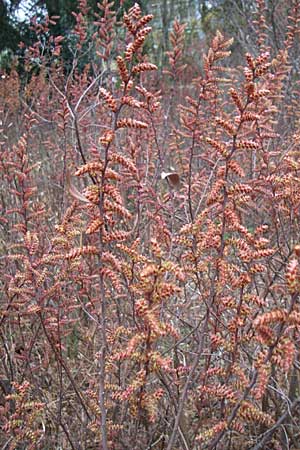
pixel 149 227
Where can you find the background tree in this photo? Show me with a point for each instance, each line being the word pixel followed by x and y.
pixel 9 33
pixel 149 235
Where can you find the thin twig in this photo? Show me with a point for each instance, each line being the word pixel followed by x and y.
pixel 268 434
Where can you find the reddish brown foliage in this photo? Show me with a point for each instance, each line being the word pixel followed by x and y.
pixel 139 312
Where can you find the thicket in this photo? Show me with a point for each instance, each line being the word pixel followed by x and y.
pixel 149 238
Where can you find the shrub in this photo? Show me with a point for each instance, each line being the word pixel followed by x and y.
pixel 149 233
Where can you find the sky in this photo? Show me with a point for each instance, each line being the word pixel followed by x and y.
pixel 23 9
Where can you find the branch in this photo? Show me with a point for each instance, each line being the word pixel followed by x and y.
pixel 268 434
pixel 182 400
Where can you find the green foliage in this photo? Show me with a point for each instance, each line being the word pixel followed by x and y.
pixel 6 58
pixel 9 32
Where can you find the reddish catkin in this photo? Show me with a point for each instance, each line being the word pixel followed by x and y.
pixel 143 67
pixel 111 259
pixel 112 277
pixel 271 317
pixel 293 276
pixel 31 242
pixel 250 61
pixel 125 162
pixel 260 94
pixel 117 208
pixel 107 137
pixel 92 167
pixel 219 146
pixel 80 251
pixel 92 193
pixel 145 93
pixel 229 127
pixel 138 42
pixel 135 11
pixel 129 52
pixel 115 236
pixel 129 24
pixel 142 33
pixel 131 101
pixel 124 74
pixel 143 21
pixel 249 75
pixel 263 58
pixel 250 117
pixel 94 225
pixel 240 189
pixel 109 99
pixel 236 99
pixel 250 145
pixel 131 123
pixel 112 175
pixel 236 168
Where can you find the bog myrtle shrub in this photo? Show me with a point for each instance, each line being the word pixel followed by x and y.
pixel 149 238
